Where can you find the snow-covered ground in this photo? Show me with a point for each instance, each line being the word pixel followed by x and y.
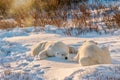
pixel 17 64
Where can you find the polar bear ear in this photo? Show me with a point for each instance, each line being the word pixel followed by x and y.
pixel 84 41
pixel 57 53
pixel 95 42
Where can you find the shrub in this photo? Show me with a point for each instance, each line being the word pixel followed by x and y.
pixel 5 6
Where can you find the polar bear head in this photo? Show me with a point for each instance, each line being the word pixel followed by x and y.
pixel 59 49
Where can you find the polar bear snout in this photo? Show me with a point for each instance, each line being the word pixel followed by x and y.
pixel 66 58
pixel 62 55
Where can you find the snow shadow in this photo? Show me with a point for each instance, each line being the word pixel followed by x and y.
pixel 110 42
pixel 101 72
pixel 70 77
pixel 55 59
pixel 115 61
pixel 14 32
pixel 77 45
pixel 11 48
pixel 10 51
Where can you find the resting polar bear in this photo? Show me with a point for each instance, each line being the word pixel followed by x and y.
pixel 46 49
pixel 72 50
pixel 90 54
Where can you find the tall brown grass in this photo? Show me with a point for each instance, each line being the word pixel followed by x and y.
pixel 85 17
pixel 5 6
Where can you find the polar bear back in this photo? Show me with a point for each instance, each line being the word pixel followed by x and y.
pixel 90 54
pixel 91 51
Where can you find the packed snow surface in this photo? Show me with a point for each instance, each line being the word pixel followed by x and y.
pixel 17 64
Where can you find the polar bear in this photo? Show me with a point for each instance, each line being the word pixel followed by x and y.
pixel 46 49
pixel 72 50
pixel 90 54
pixel 107 54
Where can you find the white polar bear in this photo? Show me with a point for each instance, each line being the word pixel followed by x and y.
pixel 46 49
pixel 72 50
pixel 90 54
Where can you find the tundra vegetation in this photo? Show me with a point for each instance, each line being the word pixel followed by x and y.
pixel 72 15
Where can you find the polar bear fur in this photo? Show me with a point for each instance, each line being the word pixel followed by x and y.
pixel 90 54
pixel 46 49
pixel 72 50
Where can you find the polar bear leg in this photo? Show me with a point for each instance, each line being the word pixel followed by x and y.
pixel 86 61
pixel 76 58
pixel 43 54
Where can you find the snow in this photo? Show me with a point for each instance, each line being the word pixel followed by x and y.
pixel 101 72
pixel 17 64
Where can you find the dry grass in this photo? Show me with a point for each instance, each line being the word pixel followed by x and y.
pixel 10 23
pixel 85 17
